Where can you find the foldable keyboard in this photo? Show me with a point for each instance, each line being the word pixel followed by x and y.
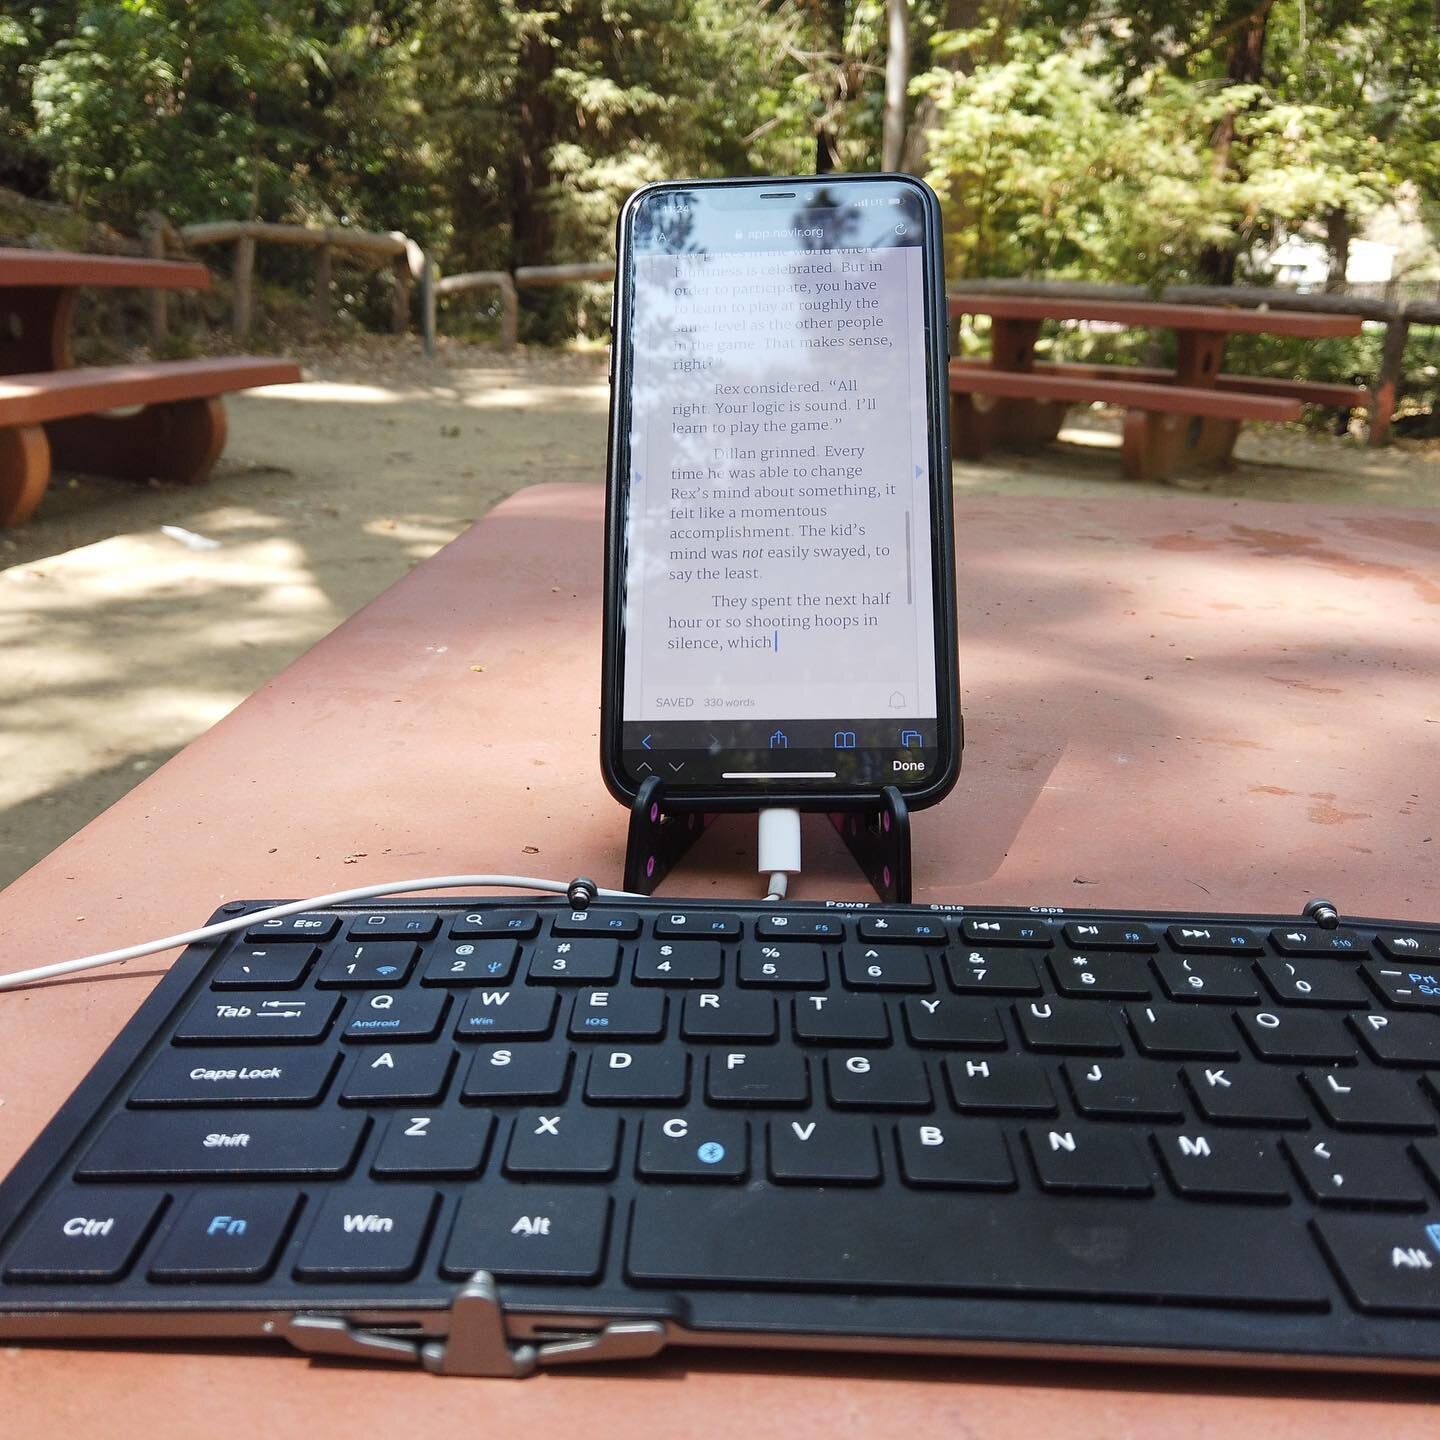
pixel 492 1135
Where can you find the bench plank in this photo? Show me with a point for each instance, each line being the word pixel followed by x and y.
pixel 1133 394
pixel 67 268
pixel 1149 315
pixel 56 394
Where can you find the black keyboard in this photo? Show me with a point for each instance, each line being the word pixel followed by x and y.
pixel 492 1135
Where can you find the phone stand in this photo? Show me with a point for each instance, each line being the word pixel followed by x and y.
pixel 877 835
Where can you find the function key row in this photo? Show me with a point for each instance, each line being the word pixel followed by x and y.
pixel 1195 937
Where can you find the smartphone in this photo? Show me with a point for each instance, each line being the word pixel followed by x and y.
pixel 780 594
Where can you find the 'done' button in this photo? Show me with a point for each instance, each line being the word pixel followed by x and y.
pixel 84 1235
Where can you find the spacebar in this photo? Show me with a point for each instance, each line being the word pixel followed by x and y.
pixel 970 1245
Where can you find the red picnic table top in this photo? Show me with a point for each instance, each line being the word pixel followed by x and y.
pixel 1145 313
pixel 51 268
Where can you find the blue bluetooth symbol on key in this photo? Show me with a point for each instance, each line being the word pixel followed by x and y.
pixel 712 1152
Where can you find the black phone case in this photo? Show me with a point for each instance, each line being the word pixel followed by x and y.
pixel 949 725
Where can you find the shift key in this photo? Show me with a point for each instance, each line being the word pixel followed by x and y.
pixel 205 1143
pixel 257 1019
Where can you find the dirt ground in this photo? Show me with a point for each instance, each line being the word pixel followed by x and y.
pixel 121 640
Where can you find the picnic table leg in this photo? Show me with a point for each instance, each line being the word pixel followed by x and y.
pixel 35 328
pixel 980 423
pixel 179 441
pixel 1157 445
pixel 24 472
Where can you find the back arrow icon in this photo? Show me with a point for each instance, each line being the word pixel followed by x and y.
pixel 645 743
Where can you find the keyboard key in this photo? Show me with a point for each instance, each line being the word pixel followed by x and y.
pixel 801 966
pixel 139 1144
pixel 731 1015
pixel 574 962
pixel 404 1075
pixel 1313 982
pixel 265 967
pixel 841 1019
pixel 1409 987
pixel 986 972
pixel 877 1081
pixel 1356 1170
pixel 357 964
pixel 393 925
pixel 954 1024
pixel 228 1235
pixel 698 1146
pixel 308 925
pixel 445 1142
pixel 999 1085
pixel 1167 1031
pixel 618 1014
pixel 1198 977
pixel 954 1155
pixel 579 1142
pixel 799 927
pixel 697 923
pixel 529 1232
pixel 517 1072
pixel 258 1019
pixel 367 1232
pixel 1246 1095
pixel 688 962
pixel 619 923
pixel 903 929
pixel 756 1077
pixel 1315 940
pixel 885 968
pixel 485 962
pixel 1124 1090
pixel 1409 945
pixel 1296 1035
pixel 410 1015
pixel 1083 1160
pixel 1067 1025
pixel 509 1013
pixel 1388 1266
pixel 282 1075
pixel 1110 935
pixel 1122 977
pixel 518 924
pixel 979 931
pixel 1215 939
pixel 823 1150
pixel 971 1245
pixel 85 1235
pixel 1354 1099
pixel 642 1076
pixel 1411 1040
pixel 1223 1166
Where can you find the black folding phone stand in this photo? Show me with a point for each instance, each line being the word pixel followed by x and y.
pixel 877 835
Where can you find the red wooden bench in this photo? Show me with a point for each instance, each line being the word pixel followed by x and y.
pixel 54 413
pixel 1180 419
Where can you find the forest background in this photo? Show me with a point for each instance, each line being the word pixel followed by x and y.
pixel 1168 141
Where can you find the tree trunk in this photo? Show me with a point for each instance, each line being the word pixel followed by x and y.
pixel 1245 65
pixel 530 237
pixel 897 78
pixel 1337 241
pixel 959 15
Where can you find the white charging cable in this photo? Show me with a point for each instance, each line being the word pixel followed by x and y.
pixel 17 978
pixel 779 847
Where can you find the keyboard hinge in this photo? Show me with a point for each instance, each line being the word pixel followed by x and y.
pixel 477 1344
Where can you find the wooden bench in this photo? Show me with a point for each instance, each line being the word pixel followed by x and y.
pixel 54 413
pixel 1175 420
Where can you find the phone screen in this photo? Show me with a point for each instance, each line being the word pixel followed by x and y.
pixel 779 472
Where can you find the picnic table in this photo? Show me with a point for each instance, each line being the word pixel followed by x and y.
pixel 1141 732
pixel 52 413
pixel 1176 420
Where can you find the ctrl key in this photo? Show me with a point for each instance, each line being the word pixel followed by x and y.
pixel 1389 1266
pixel 85 1235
